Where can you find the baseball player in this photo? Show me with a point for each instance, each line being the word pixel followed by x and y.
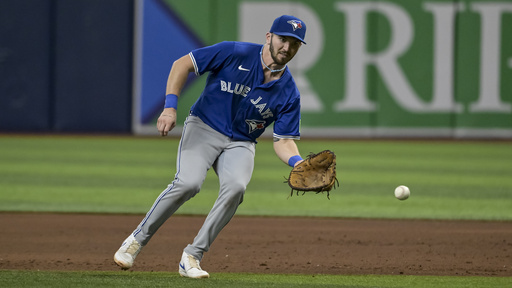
pixel 249 87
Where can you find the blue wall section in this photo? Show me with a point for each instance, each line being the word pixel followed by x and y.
pixel 25 44
pixel 93 65
pixel 165 38
pixel 66 66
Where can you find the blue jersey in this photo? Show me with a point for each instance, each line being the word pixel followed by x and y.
pixel 235 102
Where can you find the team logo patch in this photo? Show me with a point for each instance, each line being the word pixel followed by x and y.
pixel 255 125
pixel 295 24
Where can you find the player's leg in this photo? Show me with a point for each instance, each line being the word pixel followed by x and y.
pixel 234 168
pixel 198 149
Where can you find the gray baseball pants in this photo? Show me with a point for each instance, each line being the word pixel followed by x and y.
pixel 201 148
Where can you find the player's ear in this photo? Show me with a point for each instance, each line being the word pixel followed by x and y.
pixel 268 37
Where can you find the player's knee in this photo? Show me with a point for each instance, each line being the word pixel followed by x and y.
pixel 236 191
pixel 233 199
pixel 193 189
pixel 188 189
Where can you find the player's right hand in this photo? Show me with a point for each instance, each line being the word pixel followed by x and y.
pixel 167 121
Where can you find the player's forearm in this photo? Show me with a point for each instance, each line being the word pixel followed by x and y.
pixel 285 149
pixel 178 75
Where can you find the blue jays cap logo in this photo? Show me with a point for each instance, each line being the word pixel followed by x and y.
pixel 295 24
pixel 287 25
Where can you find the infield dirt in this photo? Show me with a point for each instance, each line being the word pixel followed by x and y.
pixel 263 245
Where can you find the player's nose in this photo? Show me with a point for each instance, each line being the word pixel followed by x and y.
pixel 286 46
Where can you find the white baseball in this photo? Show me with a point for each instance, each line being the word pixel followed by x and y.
pixel 402 192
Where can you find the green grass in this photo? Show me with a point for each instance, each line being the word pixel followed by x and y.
pixel 225 280
pixel 448 180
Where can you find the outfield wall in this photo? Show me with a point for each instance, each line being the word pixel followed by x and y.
pixel 370 69
pixel 66 65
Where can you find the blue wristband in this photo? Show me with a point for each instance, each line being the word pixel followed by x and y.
pixel 171 101
pixel 293 160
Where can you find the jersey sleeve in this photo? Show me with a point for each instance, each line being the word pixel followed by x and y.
pixel 287 123
pixel 211 58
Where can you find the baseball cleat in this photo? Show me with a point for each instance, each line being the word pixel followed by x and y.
pixel 189 267
pixel 125 256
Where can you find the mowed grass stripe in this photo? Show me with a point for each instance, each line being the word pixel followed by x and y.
pixel 448 179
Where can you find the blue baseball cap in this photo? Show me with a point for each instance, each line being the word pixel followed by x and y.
pixel 287 25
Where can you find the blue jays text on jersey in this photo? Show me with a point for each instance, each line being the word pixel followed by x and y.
pixel 235 102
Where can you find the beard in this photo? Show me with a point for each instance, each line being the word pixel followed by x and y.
pixel 273 54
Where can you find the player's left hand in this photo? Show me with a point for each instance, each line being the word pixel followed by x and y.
pixel 167 121
pixel 316 173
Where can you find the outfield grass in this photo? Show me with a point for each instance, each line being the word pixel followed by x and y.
pixel 448 179
pixel 227 280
